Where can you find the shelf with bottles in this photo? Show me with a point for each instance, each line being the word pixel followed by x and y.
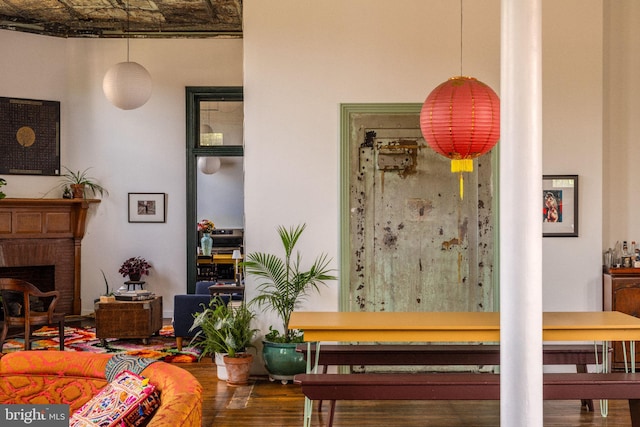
pixel 622 270
pixel 622 257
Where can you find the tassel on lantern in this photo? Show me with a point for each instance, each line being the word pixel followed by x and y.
pixel 461 165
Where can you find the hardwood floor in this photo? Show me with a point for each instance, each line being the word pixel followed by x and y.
pixel 265 403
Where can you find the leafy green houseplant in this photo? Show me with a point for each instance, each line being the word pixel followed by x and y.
pixel 224 329
pixel 227 330
pixel 80 181
pixel 282 286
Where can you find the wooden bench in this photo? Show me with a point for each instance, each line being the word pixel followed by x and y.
pixel 467 386
pixel 351 355
pixel 443 354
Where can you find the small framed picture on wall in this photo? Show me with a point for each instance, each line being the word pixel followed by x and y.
pixel 147 207
pixel 560 206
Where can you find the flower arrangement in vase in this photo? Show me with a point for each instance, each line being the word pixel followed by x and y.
pixel 135 268
pixel 206 227
pixel 2 182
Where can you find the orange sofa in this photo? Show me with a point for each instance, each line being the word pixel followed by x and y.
pixel 41 377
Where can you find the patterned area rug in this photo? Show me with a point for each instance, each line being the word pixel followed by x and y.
pixel 159 347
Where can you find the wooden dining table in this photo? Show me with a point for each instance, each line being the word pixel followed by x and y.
pixel 459 326
pixel 471 327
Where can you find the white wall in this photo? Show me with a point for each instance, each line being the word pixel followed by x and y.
pixel 572 105
pixel 622 127
pixel 302 59
pixel 139 150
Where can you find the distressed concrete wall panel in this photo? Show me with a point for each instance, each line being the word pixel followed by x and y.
pixel 415 245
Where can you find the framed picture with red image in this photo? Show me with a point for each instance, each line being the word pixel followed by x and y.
pixel 560 206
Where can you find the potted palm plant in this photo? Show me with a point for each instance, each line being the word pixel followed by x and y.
pixel 226 330
pixel 80 182
pixel 282 285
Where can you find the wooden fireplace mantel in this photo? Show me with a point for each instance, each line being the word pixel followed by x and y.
pixel 43 218
pixel 28 225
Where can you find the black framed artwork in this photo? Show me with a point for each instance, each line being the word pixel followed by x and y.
pixel 560 206
pixel 147 207
pixel 29 137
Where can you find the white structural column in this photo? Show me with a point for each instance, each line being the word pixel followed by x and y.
pixel 520 215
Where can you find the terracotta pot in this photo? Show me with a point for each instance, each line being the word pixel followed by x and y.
pixel 77 190
pixel 238 368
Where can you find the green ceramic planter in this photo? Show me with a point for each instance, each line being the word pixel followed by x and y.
pixel 282 361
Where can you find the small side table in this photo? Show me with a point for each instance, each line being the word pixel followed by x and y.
pixel 128 319
pixel 134 283
pixel 215 290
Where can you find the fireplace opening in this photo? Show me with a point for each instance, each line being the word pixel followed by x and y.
pixel 42 276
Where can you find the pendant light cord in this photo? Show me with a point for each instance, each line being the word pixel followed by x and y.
pixel 127 5
pixel 461 20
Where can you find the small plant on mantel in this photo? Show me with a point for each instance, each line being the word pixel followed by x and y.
pixel 2 182
pixel 80 182
pixel 135 268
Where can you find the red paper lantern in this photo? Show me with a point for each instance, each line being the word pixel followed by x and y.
pixel 460 119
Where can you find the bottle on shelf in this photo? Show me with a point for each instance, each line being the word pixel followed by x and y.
pixel 617 254
pixel 607 259
pixel 626 256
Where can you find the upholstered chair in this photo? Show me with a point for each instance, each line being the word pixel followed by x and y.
pixel 185 306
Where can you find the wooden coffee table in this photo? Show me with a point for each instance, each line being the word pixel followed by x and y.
pixel 128 319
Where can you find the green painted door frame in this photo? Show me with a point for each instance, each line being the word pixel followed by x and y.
pixel 194 96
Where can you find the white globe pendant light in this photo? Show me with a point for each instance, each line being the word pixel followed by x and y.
pixel 127 85
pixel 209 165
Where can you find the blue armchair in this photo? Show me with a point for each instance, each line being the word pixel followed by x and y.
pixel 184 306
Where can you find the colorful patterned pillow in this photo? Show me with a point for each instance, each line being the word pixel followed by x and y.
pixel 145 411
pixel 121 401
